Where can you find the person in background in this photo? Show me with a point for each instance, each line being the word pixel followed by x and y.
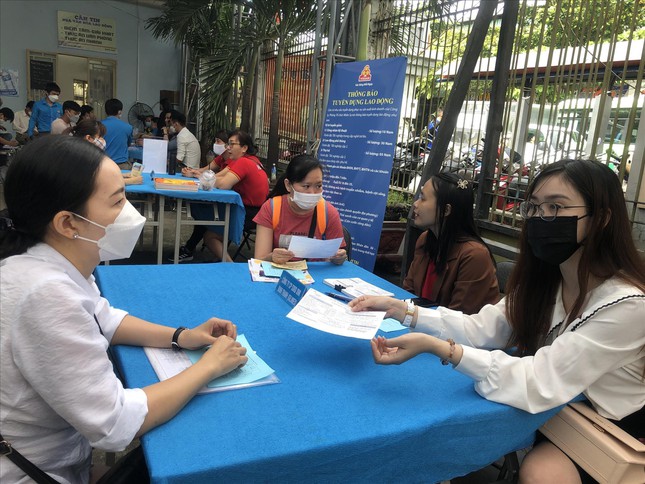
pixel 452 266
pixel 119 134
pixel 71 115
pixel 244 174
pixel 21 123
pixel 6 114
pixel 67 212
pixel 571 323
pixel 87 112
pixel 91 130
pixel 189 152
pixel 298 195
pixel 45 111
pixel 219 162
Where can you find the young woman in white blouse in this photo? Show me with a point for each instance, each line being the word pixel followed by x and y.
pixel 573 314
pixel 59 397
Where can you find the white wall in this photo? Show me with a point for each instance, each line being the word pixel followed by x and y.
pixel 33 25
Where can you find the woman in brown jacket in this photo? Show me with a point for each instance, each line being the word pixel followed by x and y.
pixel 452 265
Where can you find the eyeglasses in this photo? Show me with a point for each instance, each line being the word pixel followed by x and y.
pixel 547 211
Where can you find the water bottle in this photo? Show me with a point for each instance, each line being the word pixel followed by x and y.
pixel 274 173
pixel 207 180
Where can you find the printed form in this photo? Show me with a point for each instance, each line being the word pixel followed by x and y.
pixel 323 313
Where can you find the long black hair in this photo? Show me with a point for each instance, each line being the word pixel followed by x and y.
pixel 459 226
pixel 50 174
pixel 608 251
pixel 297 170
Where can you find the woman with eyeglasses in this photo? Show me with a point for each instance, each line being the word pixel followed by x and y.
pixel 245 174
pixel 572 320
pixel 452 266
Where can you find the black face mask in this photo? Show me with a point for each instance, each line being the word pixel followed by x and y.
pixel 553 242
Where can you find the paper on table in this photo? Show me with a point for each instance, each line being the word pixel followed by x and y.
pixel 257 273
pixel 321 312
pixel 168 363
pixel 307 248
pixel 272 271
pixel 296 265
pixel 390 324
pixel 254 369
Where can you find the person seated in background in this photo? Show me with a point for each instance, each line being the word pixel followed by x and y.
pixel 119 134
pixel 69 118
pixel 244 174
pixel 6 114
pixel 294 208
pixel 189 152
pixel 220 161
pixel 572 318
pixel 67 212
pixel 87 112
pixel 452 266
pixel 21 123
pixel 45 111
pixel 92 131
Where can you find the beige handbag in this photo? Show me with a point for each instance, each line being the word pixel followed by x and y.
pixel 608 453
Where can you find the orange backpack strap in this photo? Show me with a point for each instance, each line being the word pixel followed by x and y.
pixel 321 216
pixel 276 204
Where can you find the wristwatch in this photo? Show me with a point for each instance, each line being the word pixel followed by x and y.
pixel 175 338
pixel 409 314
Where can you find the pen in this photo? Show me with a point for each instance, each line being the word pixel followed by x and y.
pixel 340 297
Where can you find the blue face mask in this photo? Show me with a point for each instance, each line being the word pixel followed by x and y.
pixel 555 241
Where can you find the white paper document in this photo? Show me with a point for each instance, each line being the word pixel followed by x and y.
pixel 321 312
pixel 307 248
pixel 155 155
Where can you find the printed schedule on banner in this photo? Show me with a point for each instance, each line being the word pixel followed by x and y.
pixel 357 146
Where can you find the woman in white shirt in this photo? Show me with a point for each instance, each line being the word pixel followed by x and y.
pixel 59 395
pixel 573 313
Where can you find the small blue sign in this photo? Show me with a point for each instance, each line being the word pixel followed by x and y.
pixel 290 289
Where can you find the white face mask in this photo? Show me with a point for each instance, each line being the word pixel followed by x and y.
pixel 172 130
pixel 53 97
pixel 120 236
pixel 74 118
pixel 306 201
pixel 218 149
pixel 100 142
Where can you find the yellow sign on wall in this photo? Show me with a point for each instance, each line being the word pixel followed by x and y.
pixel 86 32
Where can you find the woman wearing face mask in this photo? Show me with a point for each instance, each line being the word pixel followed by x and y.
pixel 59 396
pixel 91 130
pixel 574 312
pixel 452 266
pixel 297 195
pixel 244 174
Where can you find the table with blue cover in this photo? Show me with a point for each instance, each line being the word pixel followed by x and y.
pixel 336 416
pixel 233 213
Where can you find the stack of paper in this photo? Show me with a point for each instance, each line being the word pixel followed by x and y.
pixel 168 363
pixel 180 184
pixel 263 271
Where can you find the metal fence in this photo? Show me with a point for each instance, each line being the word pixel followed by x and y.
pixel 575 90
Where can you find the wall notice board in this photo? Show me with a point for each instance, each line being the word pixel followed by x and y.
pixel 40 73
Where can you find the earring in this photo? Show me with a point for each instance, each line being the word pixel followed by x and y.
pixel 75 236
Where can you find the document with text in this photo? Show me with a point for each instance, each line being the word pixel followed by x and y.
pixel 323 313
pixel 307 248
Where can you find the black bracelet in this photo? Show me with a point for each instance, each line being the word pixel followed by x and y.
pixel 175 338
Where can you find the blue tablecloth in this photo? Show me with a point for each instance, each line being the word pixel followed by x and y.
pixel 231 197
pixel 335 417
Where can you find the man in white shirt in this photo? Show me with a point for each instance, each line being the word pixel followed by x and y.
pixel 188 150
pixel 65 124
pixel 21 123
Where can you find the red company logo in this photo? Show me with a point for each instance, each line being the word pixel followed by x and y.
pixel 366 74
